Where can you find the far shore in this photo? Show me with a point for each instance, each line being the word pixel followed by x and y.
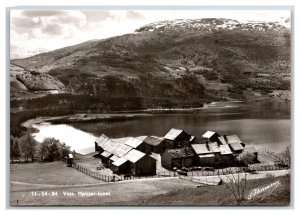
pixel 89 117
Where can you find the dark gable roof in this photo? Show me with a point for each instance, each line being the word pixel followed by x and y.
pixel 153 140
pixel 180 153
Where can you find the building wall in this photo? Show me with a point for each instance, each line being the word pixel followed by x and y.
pixel 123 169
pixel 208 161
pixel 181 162
pixel 145 166
pixel 98 148
pixel 144 147
pixel 166 160
pixel 214 138
pixel 158 148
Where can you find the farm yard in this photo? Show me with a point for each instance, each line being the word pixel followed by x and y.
pixel 56 182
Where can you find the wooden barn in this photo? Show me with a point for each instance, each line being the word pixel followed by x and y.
pixel 176 138
pixel 139 145
pixel 182 157
pixel 157 144
pixel 141 164
pixel 210 136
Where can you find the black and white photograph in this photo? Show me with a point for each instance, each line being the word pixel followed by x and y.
pixel 150 107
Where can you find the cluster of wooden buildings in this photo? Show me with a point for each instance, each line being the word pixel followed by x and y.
pixel 177 149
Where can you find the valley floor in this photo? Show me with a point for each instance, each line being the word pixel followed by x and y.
pixel 54 184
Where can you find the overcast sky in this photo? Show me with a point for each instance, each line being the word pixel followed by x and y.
pixel 33 29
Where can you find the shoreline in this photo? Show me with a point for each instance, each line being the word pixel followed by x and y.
pixel 96 117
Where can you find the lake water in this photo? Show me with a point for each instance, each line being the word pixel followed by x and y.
pixel 262 124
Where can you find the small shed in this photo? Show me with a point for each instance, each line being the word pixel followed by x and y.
pixel 120 166
pixel 177 138
pixel 157 144
pixel 210 136
pixel 70 160
pixel 141 164
pixel 139 145
pixel 182 157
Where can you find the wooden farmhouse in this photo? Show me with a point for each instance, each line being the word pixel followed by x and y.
pixel 182 157
pixel 157 144
pixel 176 138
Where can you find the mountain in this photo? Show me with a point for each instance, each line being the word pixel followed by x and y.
pixel 18 52
pixel 24 82
pixel 202 59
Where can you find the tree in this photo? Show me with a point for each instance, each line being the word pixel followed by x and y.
pixel 236 183
pixel 12 142
pixel 284 157
pixel 247 158
pixel 14 148
pixel 51 149
pixel 64 150
pixel 28 147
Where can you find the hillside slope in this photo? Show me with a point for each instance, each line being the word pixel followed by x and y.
pixel 180 59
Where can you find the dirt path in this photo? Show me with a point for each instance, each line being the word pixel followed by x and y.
pixel 250 176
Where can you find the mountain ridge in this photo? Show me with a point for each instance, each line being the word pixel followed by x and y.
pixel 194 59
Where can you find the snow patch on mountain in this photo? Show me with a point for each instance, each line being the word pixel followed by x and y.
pixel 214 24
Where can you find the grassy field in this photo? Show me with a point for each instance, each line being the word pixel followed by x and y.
pixel 40 184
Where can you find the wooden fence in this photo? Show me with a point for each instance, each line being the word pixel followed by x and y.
pixel 115 178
